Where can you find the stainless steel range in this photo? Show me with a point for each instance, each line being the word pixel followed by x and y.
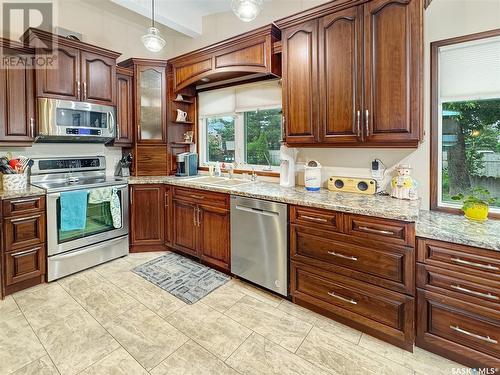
pixel 98 228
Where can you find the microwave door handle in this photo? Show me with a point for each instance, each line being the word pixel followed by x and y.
pixel 111 123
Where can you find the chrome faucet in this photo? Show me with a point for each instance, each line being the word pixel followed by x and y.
pixel 254 175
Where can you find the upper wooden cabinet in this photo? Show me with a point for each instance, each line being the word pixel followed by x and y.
pixel 352 74
pixel 246 54
pixel 124 107
pixel 79 71
pixel 17 112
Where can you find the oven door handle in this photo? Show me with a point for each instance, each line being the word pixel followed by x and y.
pixel 120 187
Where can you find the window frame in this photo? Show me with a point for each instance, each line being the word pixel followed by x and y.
pixel 435 167
pixel 239 139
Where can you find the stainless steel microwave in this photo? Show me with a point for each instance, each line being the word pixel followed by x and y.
pixel 70 121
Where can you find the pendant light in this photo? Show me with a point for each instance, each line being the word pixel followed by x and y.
pixel 153 40
pixel 246 10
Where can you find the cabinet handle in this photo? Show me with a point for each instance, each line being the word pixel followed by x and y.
pixel 25 252
pixel 25 218
pixel 358 123
pixel 479 337
pixel 78 89
pixel 379 231
pixel 351 301
pixel 198 215
pixel 318 219
pixel 349 257
pixel 283 128
pixel 118 135
pixel 478 265
pixel 196 196
pixel 32 127
pixel 131 198
pixel 367 122
pixel 195 215
pixel 473 292
pixel 84 90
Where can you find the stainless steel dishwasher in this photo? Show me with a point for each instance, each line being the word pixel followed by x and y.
pixel 259 242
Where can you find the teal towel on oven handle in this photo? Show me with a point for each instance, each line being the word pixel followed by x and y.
pixel 73 209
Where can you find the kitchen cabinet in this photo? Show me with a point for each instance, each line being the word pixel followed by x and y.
pixel 17 99
pixel 201 226
pixel 124 108
pixel 458 302
pixel 238 57
pixel 22 243
pixel 79 71
pixel 355 269
pixel 300 79
pixel 168 215
pixel 352 76
pixel 147 218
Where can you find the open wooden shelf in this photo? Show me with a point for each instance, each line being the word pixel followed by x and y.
pixel 183 101
pixel 182 143
pixel 183 122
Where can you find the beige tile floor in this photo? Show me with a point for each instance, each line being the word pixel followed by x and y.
pixel 108 320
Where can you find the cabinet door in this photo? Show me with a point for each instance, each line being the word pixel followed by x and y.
pixel 185 217
pixel 340 76
pixel 300 83
pixel 151 109
pixel 124 111
pixel 17 100
pixel 392 71
pixel 147 216
pixel 63 80
pixel 214 239
pixel 98 78
pixel 24 265
pixel 168 216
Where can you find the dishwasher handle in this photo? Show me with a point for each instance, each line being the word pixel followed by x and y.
pixel 257 211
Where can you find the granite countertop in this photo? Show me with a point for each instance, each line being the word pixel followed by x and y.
pixel 458 229
pixel 30 191
pixel 370 205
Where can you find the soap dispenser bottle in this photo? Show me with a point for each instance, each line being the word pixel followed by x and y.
pixel 287 166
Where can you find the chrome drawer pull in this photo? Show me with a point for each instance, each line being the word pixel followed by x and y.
pixel 318 219
pixel 351 301
pixel 465 290
pixel 479 337
pixel 368 229
pixel 342 256
pixel 478 265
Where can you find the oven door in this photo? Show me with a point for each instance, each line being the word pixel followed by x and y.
pixel 99 224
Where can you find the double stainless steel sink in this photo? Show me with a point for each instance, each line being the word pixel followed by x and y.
pixel 219 181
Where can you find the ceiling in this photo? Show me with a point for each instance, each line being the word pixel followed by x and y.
pixel 184 16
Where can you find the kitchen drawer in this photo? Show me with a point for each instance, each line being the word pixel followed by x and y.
pixel 385 230
pixel 24 264
pixel 459 285
pixel 202 197
pixel 23 206
pixel 316 218
pixel 462 331
pixel 394 265
pixel 377 311
pixel 22 232
pixel 460 258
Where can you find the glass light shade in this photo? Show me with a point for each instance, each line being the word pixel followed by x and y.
pixel 153 41
pixel 246 10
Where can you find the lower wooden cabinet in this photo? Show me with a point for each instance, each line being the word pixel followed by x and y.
pixel 23 265
pixel 458 302
pixel 201 226
pixel 147 218
pixel 22 244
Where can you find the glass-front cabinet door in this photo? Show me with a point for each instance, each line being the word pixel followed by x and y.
pixel 151 87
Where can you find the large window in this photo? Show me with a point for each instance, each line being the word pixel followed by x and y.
pixel 242 125
pixel 466 118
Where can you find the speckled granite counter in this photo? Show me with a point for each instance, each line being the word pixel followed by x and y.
pixel 378 206
pixel 458 229
pixel 30 191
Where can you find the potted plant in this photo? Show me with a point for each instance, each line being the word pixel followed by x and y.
pixel 476 204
